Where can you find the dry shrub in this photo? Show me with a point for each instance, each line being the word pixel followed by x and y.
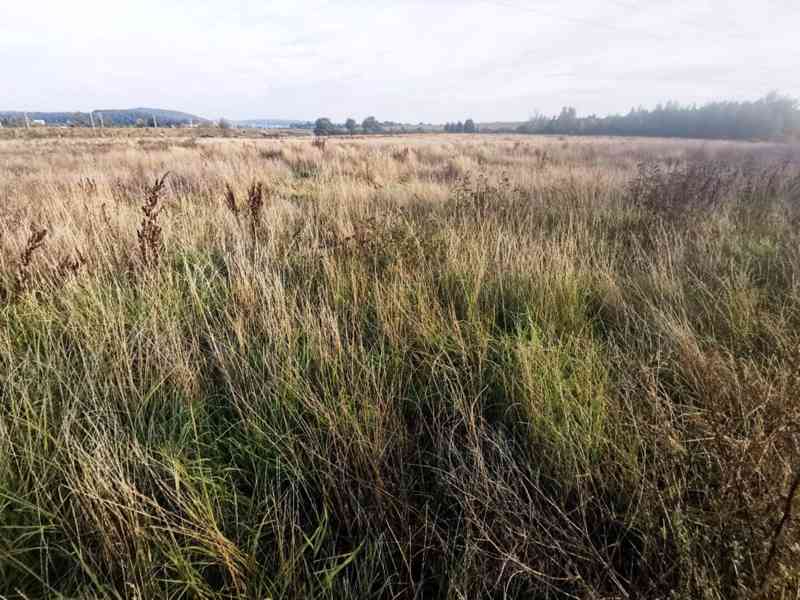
pixel 479 198
pixel 271 154
pixel 450 172
pixel 88 186
pixel 69 267
pixel 188 187
pixel 401 154
pixel 678 189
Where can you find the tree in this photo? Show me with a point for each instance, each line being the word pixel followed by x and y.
pixel 771 117
pixel 351 125
pixel 224 124
pixel 459 127
pixel 469 126
pixel 567 120
pixel 324 126
pixel 371 125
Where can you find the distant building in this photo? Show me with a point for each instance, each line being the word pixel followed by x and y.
pixel 38 123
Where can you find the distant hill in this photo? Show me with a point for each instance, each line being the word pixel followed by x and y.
pixel 51 118
pixel 164 117
pixel 110 117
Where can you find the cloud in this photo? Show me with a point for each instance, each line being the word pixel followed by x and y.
pixel 430 60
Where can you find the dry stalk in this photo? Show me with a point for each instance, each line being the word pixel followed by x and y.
pixel 778 533
pixel 255 202
pixel 230 200
pixel 150 234
pixel 23 277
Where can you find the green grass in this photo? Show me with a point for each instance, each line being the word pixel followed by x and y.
pixel 544 402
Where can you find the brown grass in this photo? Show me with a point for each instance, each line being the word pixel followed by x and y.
pixel 418 367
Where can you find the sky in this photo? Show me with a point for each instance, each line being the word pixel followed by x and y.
pixel 402 60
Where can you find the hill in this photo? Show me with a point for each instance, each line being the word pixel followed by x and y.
pixel 110 117
pixel 130 116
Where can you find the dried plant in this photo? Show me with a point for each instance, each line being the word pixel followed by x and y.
pixel 230 201
pixel 255 202
pixel 271 154
pixel 88 185
pixel 149 233
pixel 23 277
pixel 401 154
pixel 320 143
pixel 676 188
pixel 35 241
pixel 69 266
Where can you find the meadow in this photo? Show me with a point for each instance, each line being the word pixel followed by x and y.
pixel 445 366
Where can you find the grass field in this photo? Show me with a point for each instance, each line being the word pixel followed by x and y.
pixel 418 367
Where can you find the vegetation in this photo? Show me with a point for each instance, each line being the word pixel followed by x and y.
pixel 448 368
pixel 772 117
pixel 371 125
pixel 111 118
pixel 325 126
pixel 466 127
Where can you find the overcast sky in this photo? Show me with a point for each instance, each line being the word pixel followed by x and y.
pixel 409 60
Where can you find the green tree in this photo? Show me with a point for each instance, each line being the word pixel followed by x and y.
pixel 324 126
pixel 371 125
pixel 469 126
pixel 351 125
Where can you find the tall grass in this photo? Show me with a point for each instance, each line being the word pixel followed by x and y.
pixel 436 369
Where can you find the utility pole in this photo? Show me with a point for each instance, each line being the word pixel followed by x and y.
pixel 155 122
pixel 102 125
pixel 27 121
pixel 91 119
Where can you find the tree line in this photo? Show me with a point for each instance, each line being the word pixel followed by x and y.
pixel 467 126
pixel 769 118
pixel 370 125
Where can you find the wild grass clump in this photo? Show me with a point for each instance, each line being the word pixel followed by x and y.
pixel 460 369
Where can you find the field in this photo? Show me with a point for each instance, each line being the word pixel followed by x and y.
pixel 415 367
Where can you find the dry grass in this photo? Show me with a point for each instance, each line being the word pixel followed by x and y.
pixel 419 367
